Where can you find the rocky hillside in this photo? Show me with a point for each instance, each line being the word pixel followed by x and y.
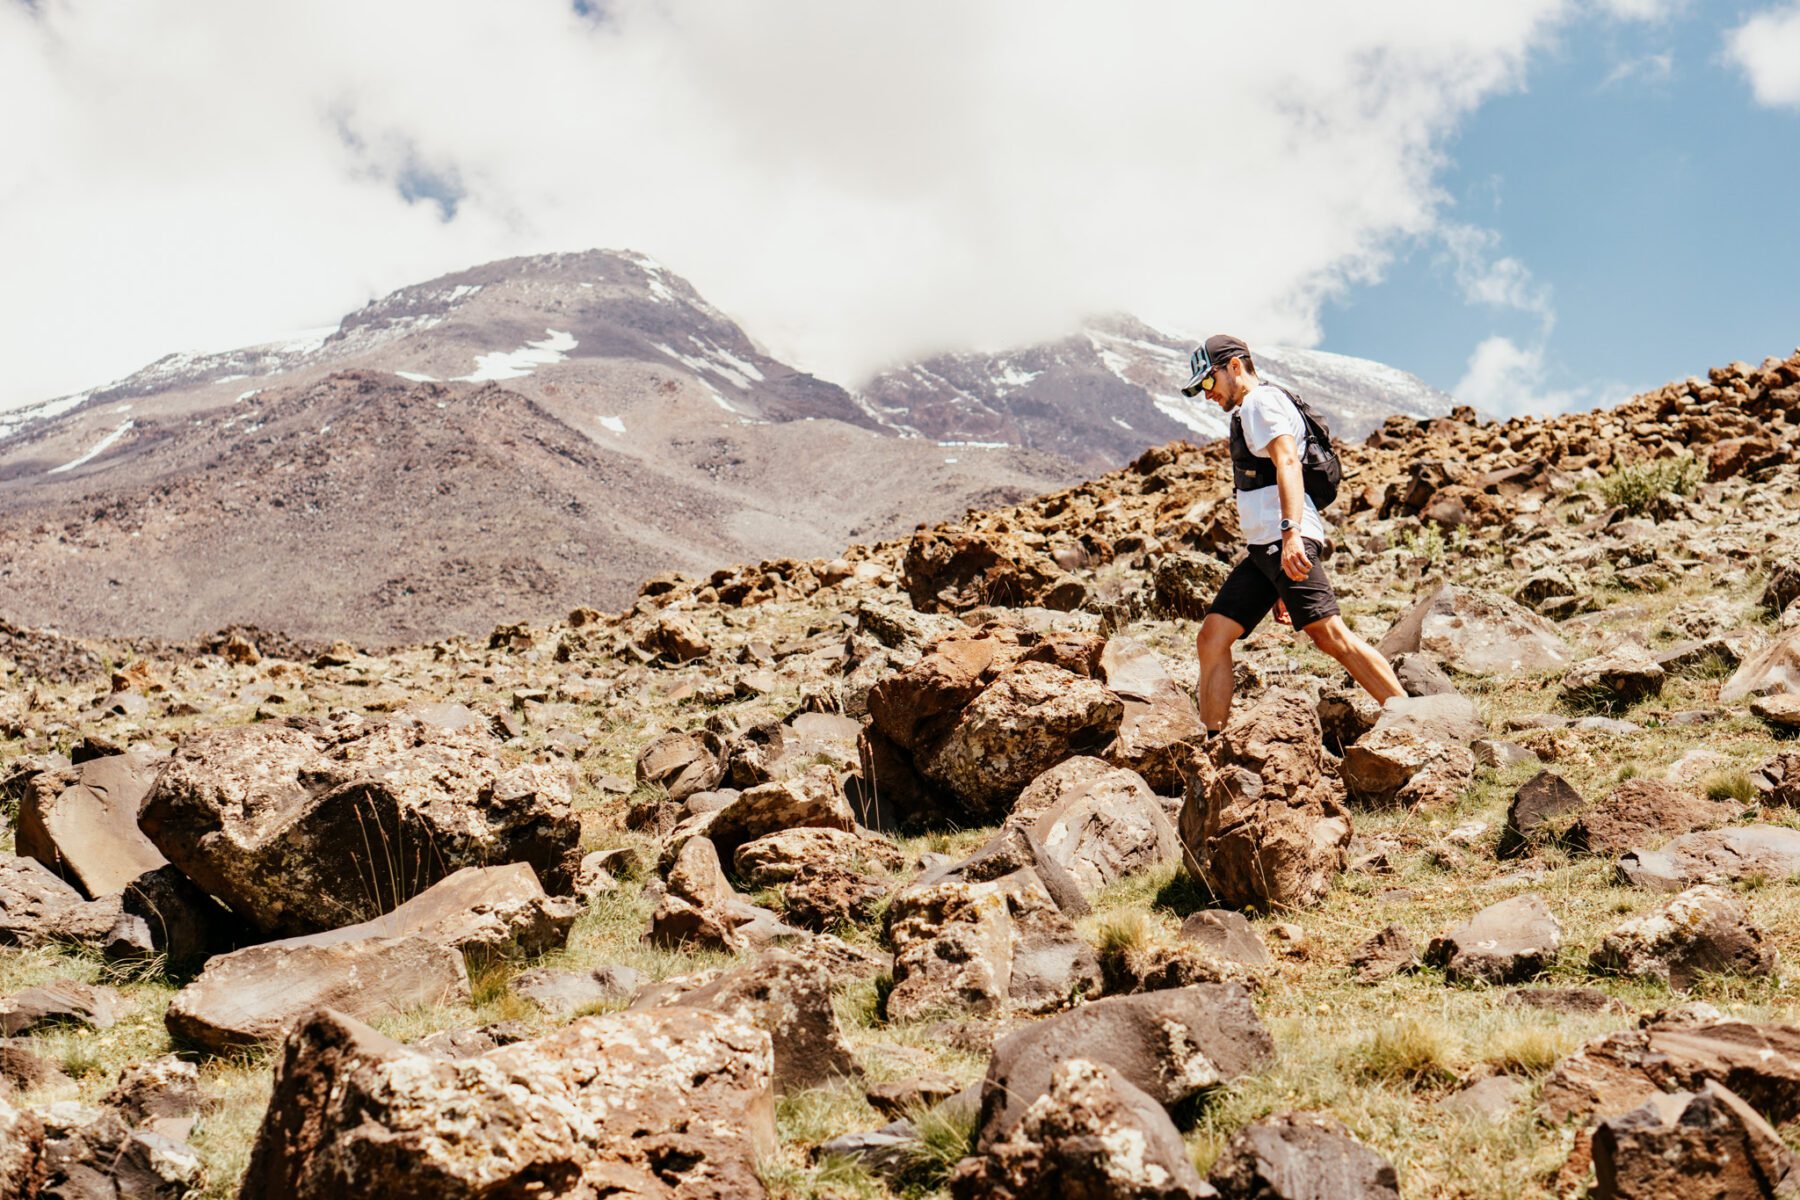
pixel 1104 394
pixel 907 872
pixel 510 441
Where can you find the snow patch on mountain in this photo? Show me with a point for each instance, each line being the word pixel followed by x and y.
pixel 99 448
pixel 516 364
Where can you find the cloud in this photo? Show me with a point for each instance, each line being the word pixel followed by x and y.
pixel 1640 10
pixel 1766 48
pixel 1504 379
pixel 1651 69
pixel 1486 277
pixel 856 181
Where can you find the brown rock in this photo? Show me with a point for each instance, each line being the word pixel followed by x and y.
pixel 1092 1134
pixel 1098 823
pixel 1539 801
pixel 1506 942
pixel 1301 1156
pixel 679 763
pixel 1614 678
pixel 1171 1044
pixel 1715 856
pixel 1270 829
pixel 1685 1144
pixel 1619 1071
pixel 1644 812
pixel 949 570
pixel 62 1002
pixel 664 1102
pixel 1387 952
pixel 1773 670
pixel 298 835
pixel 83 824
pixel 952 950
pixel 22 1168
pixel 790 997
pixel 1702 930
pixel 814 800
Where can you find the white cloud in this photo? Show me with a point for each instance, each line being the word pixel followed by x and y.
pixel 1639 10
pixel 1486 277
pixel 1504 379
pixel 1766 48
pixel 1651 69
pixel 857 181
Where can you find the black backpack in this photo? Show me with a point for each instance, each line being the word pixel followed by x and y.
pixel 1320 471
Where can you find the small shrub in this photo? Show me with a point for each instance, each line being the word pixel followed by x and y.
pixel 1530 1049
pixel 1637 485
pixel 1407 1050
pixel 1733 786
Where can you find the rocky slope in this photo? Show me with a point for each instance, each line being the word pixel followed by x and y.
pixel 1102 395
pixel 906 872
pixel 514 439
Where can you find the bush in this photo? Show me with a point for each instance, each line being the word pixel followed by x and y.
pixel 1637 485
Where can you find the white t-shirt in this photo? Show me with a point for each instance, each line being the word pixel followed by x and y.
pixel 1266 413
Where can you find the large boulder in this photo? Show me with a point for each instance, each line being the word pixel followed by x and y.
pixel 83 823
pixel 1159 729
pixel 1616 1072
pixel 299 833
pixel 1477 633
pixel 1773 670
pixel 790 997
pixel 1708 1143
pixel 952 950
pixel 1026 722
pixel 39 909
pixel 1508 942
pixel 1268 829
pixel 1703 930
pixel 670 1102
pixel 1417 753
pixel 1171 1044
pixel 953 570
pixel 1092 1134
pixel 1098 822
pixel 1301 1156
pixel 1715 856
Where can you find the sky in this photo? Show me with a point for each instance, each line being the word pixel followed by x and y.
pixel 1538 205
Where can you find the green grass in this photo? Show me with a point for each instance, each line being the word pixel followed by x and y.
pixel 1637 485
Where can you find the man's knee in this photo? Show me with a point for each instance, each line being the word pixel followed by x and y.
pixel 1216 635
pixel 1330 635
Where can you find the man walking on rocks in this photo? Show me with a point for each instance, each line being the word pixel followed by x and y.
pixel 1285 539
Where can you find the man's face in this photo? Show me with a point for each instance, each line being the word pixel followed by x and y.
pixel 1228 384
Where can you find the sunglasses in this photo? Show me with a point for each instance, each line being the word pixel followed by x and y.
pixel 1203 375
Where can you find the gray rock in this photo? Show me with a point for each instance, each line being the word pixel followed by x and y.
pixel 1301 1156
pixel 1507 942
pixel 1490 1099
pixel 1226 935
pixel 1614 678
pixel 565 993
pixel 1715 856
pixel 1477 633
pixel 62 1002
pixel 1421 675
pixel 1773 670
pixel 1386 953
pixel 1172 1044
pixel 1703 930
pixel 1098 823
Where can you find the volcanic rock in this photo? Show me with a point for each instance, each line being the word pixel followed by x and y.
pixel 1097 822
pixel 1715 856
pixel 1614 679
pixel 680 763
pixel 1643 812
pixel 1477 633
pixel 298 836
pixel 83 824
pixel 1301 1156
pixel 1688 1144
pixel 1171 1044
pixel 1093 1134
pixel 1539 801
pixel 1508 942
pixel 1703 930
pixel 789 997
pixel 1270 830
pixel 673 1102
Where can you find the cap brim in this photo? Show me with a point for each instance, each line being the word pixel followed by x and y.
pixel 1193 386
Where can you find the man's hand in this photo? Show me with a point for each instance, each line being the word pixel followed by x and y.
pixel 1281 613
pixel 1293 556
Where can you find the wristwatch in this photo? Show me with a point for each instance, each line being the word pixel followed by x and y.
pixel 1287 525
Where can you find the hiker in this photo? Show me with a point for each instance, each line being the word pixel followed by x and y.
pixel 1284 537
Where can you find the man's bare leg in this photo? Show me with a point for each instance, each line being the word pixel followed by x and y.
pixel 1364 663
pixel 1214 646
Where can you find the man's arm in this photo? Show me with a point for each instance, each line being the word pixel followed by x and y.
pixel 1288 485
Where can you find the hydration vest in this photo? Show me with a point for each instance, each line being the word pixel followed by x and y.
pixel 1320 471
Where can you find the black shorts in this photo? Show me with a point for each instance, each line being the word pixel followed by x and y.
pixel 1257 581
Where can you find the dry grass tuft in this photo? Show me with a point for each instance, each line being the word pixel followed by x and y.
pixel 1407 1050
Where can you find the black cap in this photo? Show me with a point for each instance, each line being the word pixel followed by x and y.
pixel 1215 352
